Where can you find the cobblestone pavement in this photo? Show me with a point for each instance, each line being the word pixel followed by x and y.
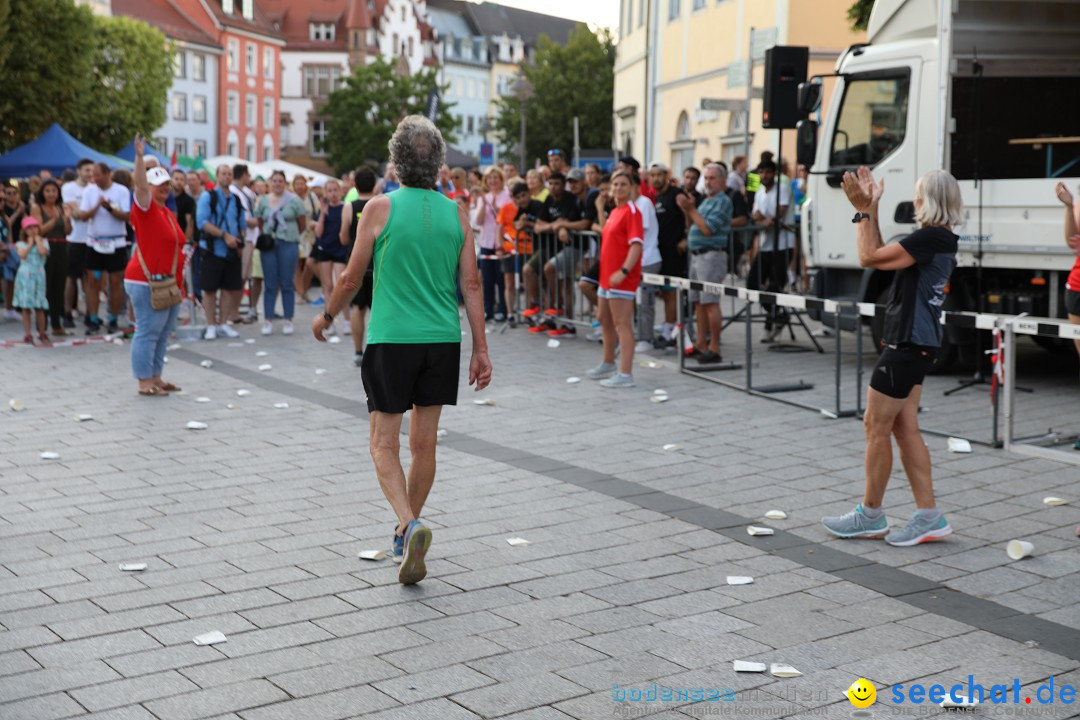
pixel 252 527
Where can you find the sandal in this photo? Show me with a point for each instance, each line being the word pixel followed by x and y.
pixel 168 387
pixel 153 391
pixel 44 339
pixel 29 339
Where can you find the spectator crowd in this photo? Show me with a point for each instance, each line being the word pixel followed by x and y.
pixel 66 243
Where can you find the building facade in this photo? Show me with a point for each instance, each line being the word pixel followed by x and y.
pixel 674 53
pixel 191 109
pixel 465 74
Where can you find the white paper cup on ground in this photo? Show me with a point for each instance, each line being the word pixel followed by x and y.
pixel 758 530
pixel 16 405
pixel 196 425
pixel 672 447
pixel 132 567
pixel 49 455
pixel 776 515
pixel 243 393
pixel 1055 501
pixel 281 406
pixel 739 580
pixel 84 417
pixel 573 380
pixel 659 398
pixel 207 364
pixel 747 666
pixel 320 371
pixel 553 343
pixel 516 542
pixel 1019 549
pixel 782 670
pixel 485 401
pixel 266 367
pixel 371 554
pixel 959 445
pixel 250 341
pixel 202 399
pixel 261 353
pixel 210 638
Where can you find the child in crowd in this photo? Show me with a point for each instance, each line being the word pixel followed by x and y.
pixel 32 250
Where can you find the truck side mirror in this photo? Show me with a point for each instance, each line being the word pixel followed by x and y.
pixel 809 97
pixel 905 213
pixel 806 138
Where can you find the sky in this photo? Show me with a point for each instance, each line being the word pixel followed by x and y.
pixel 597 12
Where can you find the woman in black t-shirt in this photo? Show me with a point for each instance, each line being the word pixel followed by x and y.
pixel 922 263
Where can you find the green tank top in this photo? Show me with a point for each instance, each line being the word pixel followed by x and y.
pixel 414 293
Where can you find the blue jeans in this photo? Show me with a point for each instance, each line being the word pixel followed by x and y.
pixel 493 283
pixel 152 328
pixel 278 267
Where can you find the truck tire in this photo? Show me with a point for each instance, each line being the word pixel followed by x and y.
pixel 946 356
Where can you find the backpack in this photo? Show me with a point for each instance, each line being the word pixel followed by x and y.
pixel 209 239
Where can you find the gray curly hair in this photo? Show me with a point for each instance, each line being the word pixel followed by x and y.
pixel 418 151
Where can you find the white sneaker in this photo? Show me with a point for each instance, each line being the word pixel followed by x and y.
pixel 332 330
pixel 287 327
pixel 595 336
pixel 226 330
pixel 346 328
pixel 268 328
pixel 643 346
pixel 211 333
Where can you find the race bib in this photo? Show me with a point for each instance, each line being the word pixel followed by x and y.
pixel 104 246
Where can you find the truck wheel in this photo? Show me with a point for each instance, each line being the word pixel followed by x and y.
pixel 946 357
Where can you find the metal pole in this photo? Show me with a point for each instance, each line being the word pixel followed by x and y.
pixel 858 360
pixel 839 312
pixel 1010 383
pixel 577 144
pixel 749 342
pixel 749 93
pixel 523 167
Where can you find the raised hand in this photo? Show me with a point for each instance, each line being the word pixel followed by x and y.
pixel 861 190
pixel 140 145
pixel 1063 194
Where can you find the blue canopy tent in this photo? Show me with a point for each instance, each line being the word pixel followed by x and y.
pixel 128 153
pixel 54 150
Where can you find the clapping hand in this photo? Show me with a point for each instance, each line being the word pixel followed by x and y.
pixel 140 145
pixel 861 190
pixel 1063 194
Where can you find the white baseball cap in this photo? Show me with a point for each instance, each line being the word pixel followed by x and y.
pixel 157 176
pixel 658 166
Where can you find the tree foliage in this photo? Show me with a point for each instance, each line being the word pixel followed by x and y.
pixel 128 85
pixel 859 14
pixel 577 78
pixel 45 69
pixel 364 113
pixel 101 78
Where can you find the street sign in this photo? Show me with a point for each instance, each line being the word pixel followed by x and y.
pixel 487 153
pixel 723 104
pixel 737 74
pixel 760 41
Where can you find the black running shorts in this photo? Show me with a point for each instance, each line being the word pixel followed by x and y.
pixel 221 273
pixel 900 369
pixel 103 263
pixel 362 298
pixel 398 376
pixel 592 275
pixel 76 260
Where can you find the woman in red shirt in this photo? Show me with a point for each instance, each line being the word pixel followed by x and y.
pixel 1072 239
pixel 620 274
pixel 160 241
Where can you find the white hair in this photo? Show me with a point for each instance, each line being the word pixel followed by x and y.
pixel 417 151
pixel 150 161
pixel 941 201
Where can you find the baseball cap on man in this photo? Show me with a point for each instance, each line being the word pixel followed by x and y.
pixel 157 176
pixel 575 174
pixel 631 161
pixel 658 166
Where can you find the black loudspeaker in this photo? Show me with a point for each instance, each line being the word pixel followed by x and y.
pixel 785 68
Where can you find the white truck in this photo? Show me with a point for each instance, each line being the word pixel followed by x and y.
pixel 988 89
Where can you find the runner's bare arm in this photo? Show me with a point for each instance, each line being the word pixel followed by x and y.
pixel 479 365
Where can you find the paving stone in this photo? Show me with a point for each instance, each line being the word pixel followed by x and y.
pixel 211 671
pixel 543 658
pixel 331 706
pixel 433 683
pixel 337 676
pixel 75 652
pixel 49 680
pixel 46 707
pixel 443 653
pixel 217 701
pixel 442 709
pixel 133 691
pixel 507 697
pixel 114 622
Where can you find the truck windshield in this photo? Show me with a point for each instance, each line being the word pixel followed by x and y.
pixel 872 120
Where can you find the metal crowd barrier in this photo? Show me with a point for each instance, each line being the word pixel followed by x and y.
pixel 1006 325
pixel 1008 329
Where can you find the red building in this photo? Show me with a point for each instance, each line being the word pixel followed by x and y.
pixel 249 86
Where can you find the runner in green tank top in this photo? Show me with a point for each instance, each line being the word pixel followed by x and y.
pixel 419 243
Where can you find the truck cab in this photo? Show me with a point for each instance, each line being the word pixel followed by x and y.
pixel 988 89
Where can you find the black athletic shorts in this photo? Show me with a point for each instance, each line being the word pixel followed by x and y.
pixel 221 273
pixel 398 376
pixel 362 298
pixel 76 260
pixel 1072 302
pixel 100 262
pixel 592 275
pixel 900 369
pixel 514 263
pixel 321 256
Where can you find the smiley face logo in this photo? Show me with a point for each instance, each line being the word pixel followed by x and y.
pixel 861 693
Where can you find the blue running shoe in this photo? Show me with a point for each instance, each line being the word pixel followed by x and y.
pixel 318 303
pixel 417 542
pixel 855 524
pixel 919 530
pixel 399 548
